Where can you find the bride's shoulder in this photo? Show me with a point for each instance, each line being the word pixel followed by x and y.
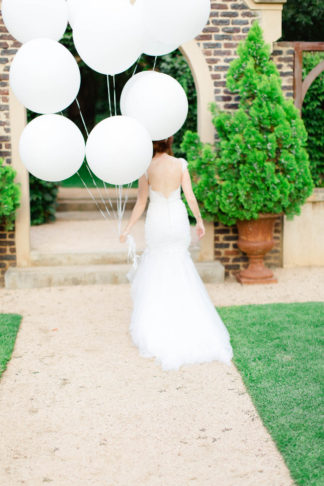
pixel 182 162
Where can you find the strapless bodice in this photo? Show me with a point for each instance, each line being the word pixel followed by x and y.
pixel 167 224
pixel 159 197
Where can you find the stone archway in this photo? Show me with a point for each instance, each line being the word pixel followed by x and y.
pixel 205 95
pixel 204 88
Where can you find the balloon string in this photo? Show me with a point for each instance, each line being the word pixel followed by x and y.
pixel 115 100
pixel 118 216
pixel 98 189
pixel 119 206
pixel 87 166
pixel 120 210
pixel 136 65
pixel 82 118
pixel 154 63
pixel 99 208
pixel 126 197
pixel 109 96
pixel 86 163
pixel 110 111
pixel 109 200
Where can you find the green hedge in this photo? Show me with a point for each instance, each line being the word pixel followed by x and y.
pixel 43 200
pixel 9 195
pixel 43 194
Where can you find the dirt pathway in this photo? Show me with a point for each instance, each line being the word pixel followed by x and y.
pixel 80 407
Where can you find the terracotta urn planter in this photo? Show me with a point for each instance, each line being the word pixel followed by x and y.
pixel 256 239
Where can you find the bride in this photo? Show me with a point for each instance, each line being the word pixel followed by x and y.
pixel 173 318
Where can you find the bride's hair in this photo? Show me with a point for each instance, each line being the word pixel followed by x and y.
pixel 163 146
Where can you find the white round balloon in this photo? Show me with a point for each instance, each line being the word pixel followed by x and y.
pixel 44 76
pixel 32 19
pixel 157 101
pixel 109 40
pixel 74 8
pixel 52 148
pixel 77 6
pixel 175 21
pixel 151 45
pixel 119 150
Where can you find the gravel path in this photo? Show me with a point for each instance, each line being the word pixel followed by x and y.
pixel 80 407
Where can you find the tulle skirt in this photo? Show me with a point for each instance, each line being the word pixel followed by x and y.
pixel 173 318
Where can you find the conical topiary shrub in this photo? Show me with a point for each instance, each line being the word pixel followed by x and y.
pixel 259 165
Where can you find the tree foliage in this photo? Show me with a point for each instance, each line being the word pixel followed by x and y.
pixel 313 116
pixel 302 20
pixel 260 164
pixel 10 194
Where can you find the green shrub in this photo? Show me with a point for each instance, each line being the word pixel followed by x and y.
pixel 9 196
pixel 260 164
pixel 313 116
pixel 43 200
pixel 43 194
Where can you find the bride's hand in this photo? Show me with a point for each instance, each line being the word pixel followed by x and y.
pixel 123 236
pixel 200 228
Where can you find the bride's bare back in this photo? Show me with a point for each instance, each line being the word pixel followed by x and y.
pixel 165 174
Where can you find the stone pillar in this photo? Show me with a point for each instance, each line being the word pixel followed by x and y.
pixel 12 121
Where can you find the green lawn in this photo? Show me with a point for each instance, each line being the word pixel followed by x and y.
pixel 9 325
pixel 278 349
pixel 75 180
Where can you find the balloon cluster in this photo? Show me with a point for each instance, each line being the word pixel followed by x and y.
pixel 109 36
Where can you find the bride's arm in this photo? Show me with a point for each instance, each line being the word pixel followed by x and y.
pixel 139 207
pixel 192 202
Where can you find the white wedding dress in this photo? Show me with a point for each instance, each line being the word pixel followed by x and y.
pixel 173 317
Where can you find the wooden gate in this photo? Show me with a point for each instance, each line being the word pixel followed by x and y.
pixel 301 86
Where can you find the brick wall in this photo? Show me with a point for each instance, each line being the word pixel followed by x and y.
pixel 7 252
pixel 229 23
pixel 8 48
pixel 283 57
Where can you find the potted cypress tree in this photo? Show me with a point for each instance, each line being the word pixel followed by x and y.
pixel 259 167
